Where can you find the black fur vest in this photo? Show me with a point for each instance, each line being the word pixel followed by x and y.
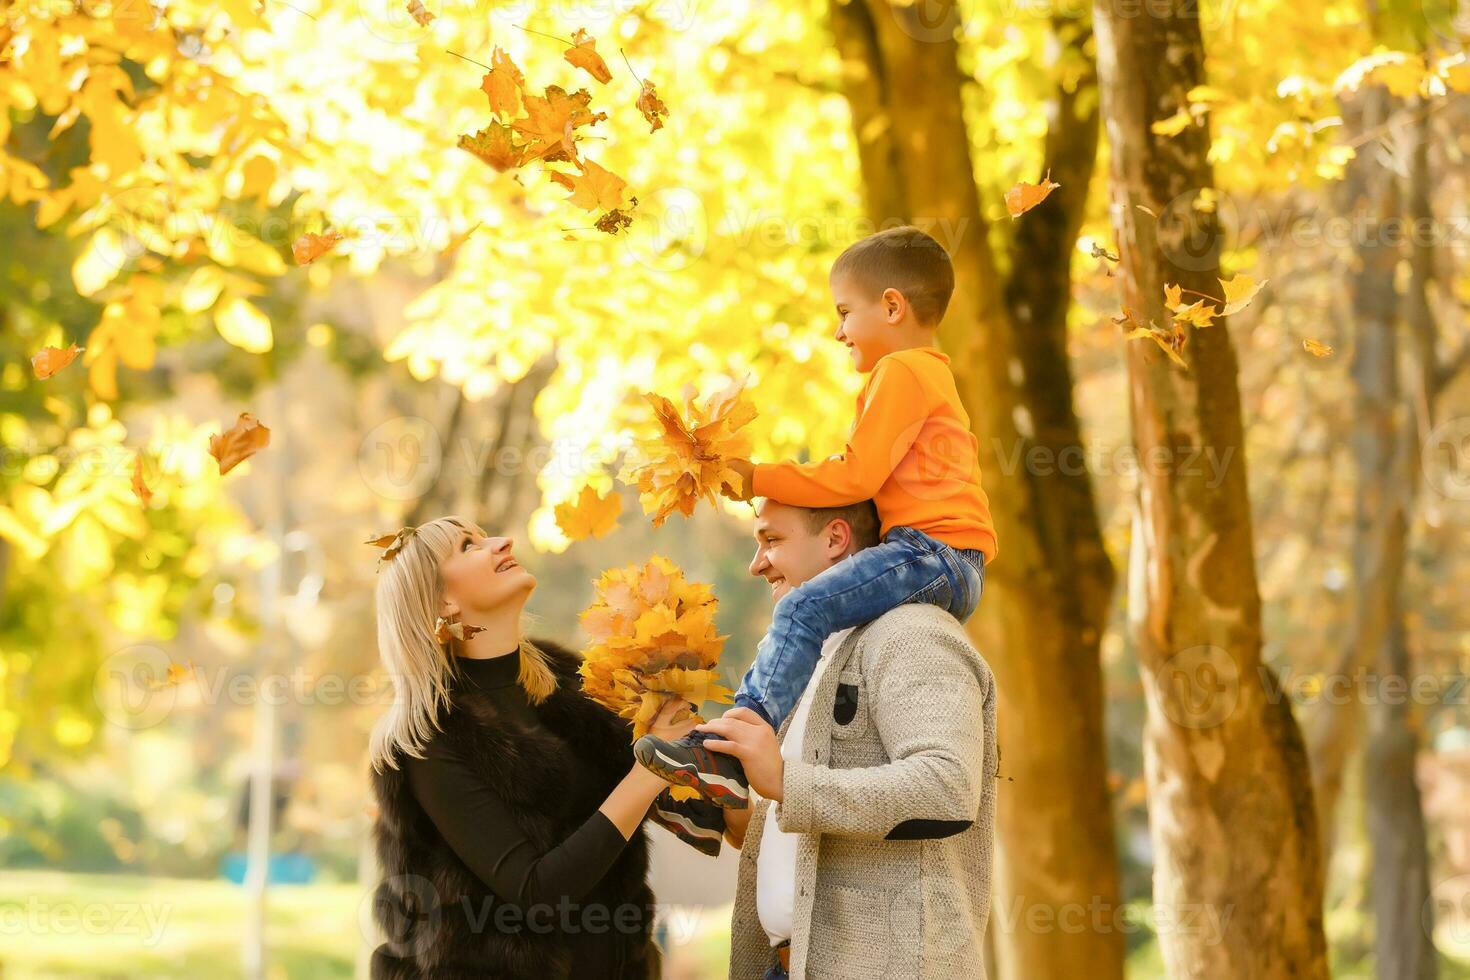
pixel 443 923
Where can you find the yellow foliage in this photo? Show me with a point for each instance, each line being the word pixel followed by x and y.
pixel 653 639
pixel 689 458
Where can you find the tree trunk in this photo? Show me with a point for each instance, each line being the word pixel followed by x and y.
pixel 1237 861
pixel 1046 598
pixel 1370 197
pixel 1389 468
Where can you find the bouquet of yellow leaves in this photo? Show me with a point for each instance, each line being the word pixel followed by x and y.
pixel 689 458
pixel 653 640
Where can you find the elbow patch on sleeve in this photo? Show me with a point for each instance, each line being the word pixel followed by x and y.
pixel 928 829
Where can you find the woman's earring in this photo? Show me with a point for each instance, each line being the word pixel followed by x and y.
pixel 446 628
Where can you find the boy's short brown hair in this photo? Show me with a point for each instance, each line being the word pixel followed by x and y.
pixel 906 259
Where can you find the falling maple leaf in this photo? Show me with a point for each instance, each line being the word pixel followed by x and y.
pixel 1171 342
pixel 495 144
pixel 690 457
pixel 1239 292
pixel 503 84
pixel 615 220
pixel 1317 348
pixel 1196 314
pixel 418 13
pixel 1023 197
pixel 583 54
pixel 243 440
pixel 653 640
pixel 652 106
pixel 48 360
pixel 589 515
pixel 311 246
pixel 594 188
pixel 551 120
pixel 139 487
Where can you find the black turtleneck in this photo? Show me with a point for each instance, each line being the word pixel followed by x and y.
pixel 480 827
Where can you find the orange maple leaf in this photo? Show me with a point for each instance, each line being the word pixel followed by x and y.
pixel 243 440
pixel 417 11
pixel 594 188
pixel 583 54
pixel 1023 197
pixel 495 144
pixel 48 360
pixel 652 106
pixel 503 84
pixel 551 120
pixel 690 457
pixel 310 246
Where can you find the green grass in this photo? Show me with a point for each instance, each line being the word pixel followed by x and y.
pixel 58 925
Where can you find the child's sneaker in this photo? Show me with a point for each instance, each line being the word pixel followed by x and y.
pixel 686 762
pixel 698 822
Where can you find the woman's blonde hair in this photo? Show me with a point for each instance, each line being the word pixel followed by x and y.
pixel 410 592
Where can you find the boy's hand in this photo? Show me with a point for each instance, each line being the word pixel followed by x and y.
pixel 746 469
pixel 745 735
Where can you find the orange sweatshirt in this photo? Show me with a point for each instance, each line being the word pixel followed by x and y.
pixel 910 449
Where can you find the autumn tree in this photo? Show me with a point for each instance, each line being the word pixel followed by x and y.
pixel 1231 766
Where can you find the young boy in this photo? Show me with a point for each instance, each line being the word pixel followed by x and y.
pixel 910 450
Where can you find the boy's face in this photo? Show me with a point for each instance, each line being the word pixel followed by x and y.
pixel 865 320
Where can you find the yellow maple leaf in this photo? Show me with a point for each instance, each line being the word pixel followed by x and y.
pixel 689 459
pixel 589 514
pixel 653 639
pixel 1239 292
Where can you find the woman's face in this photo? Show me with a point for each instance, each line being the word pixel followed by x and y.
pixel 481 574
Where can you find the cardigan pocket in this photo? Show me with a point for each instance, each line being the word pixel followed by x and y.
pixel 850 716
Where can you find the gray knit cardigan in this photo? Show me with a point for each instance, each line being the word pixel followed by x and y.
pixel 895 802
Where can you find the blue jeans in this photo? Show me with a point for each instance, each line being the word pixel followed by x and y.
pixel 908 566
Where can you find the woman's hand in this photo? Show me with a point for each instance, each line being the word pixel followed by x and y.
pixel 629 802
pixel 665 727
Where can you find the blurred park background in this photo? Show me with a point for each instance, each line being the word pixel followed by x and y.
pixel 1229 617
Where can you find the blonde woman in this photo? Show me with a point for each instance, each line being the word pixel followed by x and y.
pixel 509 805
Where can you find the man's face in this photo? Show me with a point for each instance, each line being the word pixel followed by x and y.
pixel 788 552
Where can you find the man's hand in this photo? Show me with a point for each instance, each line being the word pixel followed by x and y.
pixel 746 469
pixel 745 735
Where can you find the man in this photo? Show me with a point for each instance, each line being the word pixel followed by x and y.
pixel 870 852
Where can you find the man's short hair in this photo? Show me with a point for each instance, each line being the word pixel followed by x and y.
pixel 906 259
pixel 862 517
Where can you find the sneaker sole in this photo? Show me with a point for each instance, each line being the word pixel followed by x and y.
pixel 702 839
pixel 731 797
